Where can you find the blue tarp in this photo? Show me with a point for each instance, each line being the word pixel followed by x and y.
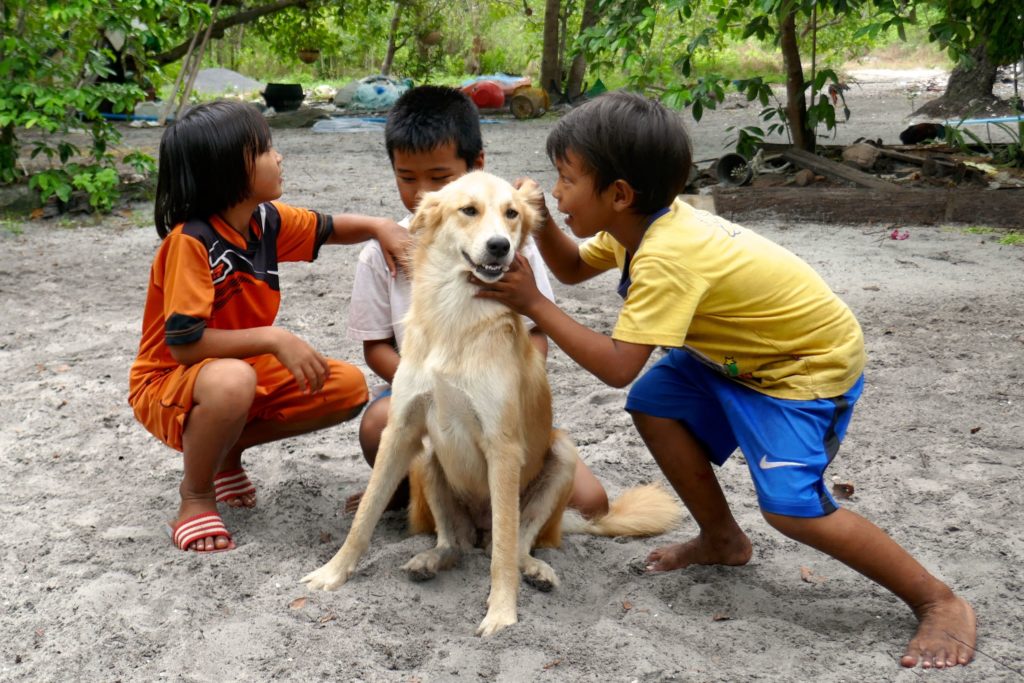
pixel 378 93
pixel 504 80
pixel 361 124
pixel 349 124
pixel 975 122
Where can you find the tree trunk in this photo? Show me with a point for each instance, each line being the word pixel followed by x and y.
pixel 8 152
pixel 389 56
pixel 796 101
pixel 550 69
pixel 969 89
pixel 578 69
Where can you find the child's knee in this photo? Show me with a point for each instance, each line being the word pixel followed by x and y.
pixel 588 495
pixel 372 425
pixel 590 501
pixel 226 382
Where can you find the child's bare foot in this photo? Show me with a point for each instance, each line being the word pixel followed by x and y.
pixel 399 501
pixel 234 488
pixel 945 635
pixel 352 502
pixel 396 503
pixel 733 551
pixel 246 501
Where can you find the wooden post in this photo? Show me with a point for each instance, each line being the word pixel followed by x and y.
pixel 198 61
pixel 190 65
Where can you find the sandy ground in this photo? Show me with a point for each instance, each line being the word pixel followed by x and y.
pixel 92 589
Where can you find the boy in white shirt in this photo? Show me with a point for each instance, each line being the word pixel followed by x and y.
pixel 432 137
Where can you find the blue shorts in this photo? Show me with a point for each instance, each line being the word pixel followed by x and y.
pixel 383 394
pixel 787 444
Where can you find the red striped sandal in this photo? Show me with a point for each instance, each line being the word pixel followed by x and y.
pixel 198 527
pixel 231 485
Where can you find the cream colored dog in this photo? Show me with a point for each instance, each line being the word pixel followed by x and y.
pixel 471 380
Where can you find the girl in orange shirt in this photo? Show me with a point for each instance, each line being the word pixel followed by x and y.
pixel 214 375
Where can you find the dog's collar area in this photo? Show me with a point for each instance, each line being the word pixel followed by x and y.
pixel 490 272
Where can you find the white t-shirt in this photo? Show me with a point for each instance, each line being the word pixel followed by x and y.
pixel 379 302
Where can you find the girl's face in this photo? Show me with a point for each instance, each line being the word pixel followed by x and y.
pixel 586 210
pixel 266 181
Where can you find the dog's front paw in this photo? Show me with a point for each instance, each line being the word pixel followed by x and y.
pixel 539 574
pixel 327 578
pixel 496 620
pixel 427 564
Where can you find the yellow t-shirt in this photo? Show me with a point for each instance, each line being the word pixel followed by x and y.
pixel 739 302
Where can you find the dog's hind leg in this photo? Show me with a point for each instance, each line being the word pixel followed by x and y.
pixel 401 441
pixel 543 502
pixel 452 523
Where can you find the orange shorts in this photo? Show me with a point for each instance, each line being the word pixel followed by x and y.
pixel 163 405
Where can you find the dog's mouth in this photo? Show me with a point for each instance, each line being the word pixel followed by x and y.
pixel 488 272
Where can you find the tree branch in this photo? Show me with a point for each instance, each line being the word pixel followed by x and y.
pixel 219 26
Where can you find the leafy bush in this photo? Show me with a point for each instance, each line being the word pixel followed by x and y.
pixel 61 65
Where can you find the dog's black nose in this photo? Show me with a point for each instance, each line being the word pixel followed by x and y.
pixel 498 246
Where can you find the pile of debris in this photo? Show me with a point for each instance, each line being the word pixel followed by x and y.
pixel 872 165
pixel 867 181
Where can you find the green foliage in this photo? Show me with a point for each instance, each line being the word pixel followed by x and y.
pixel 1009 154
pixel 316 26
pixel 1014 239
pixel 141 163
pixel 11 226
pixel 667 47
pixel 966 24
pixel 57 71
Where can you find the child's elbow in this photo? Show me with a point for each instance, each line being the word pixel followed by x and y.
pixel 619 379
pixel 183 354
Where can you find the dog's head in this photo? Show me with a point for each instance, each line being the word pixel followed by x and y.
pixel 480 219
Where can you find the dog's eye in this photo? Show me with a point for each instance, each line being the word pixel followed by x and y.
pixel 469 210
pixel 511 213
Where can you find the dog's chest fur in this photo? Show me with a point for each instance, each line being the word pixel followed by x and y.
pixel 461 359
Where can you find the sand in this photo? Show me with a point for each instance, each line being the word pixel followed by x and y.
pixel 92 589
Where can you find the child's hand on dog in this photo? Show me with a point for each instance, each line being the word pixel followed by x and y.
pixel 396 243
pixel 537 198
pixel 517 288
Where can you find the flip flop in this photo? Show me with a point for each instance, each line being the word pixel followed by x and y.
pixel 203 525
pixel 232 484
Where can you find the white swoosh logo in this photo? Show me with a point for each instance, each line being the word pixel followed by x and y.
pixel 766 465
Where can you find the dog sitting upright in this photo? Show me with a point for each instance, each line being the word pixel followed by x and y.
pixel 471 380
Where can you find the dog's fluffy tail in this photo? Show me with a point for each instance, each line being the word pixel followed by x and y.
pixel 640 511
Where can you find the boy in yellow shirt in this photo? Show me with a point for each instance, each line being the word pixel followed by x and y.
pixel 762 355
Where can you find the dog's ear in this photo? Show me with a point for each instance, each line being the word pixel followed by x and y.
pixel 531 207
pixel 428 215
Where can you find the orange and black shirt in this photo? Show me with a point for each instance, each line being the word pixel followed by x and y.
pixel 206 274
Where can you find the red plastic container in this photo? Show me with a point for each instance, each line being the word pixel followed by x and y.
pixel 486 94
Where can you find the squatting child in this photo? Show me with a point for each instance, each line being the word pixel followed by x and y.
pixel 432 136
pixel 762 355
pixel 214 375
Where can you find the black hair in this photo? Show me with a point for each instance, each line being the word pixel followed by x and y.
pixel 623 135
pixel 206 158
pixel 428 116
